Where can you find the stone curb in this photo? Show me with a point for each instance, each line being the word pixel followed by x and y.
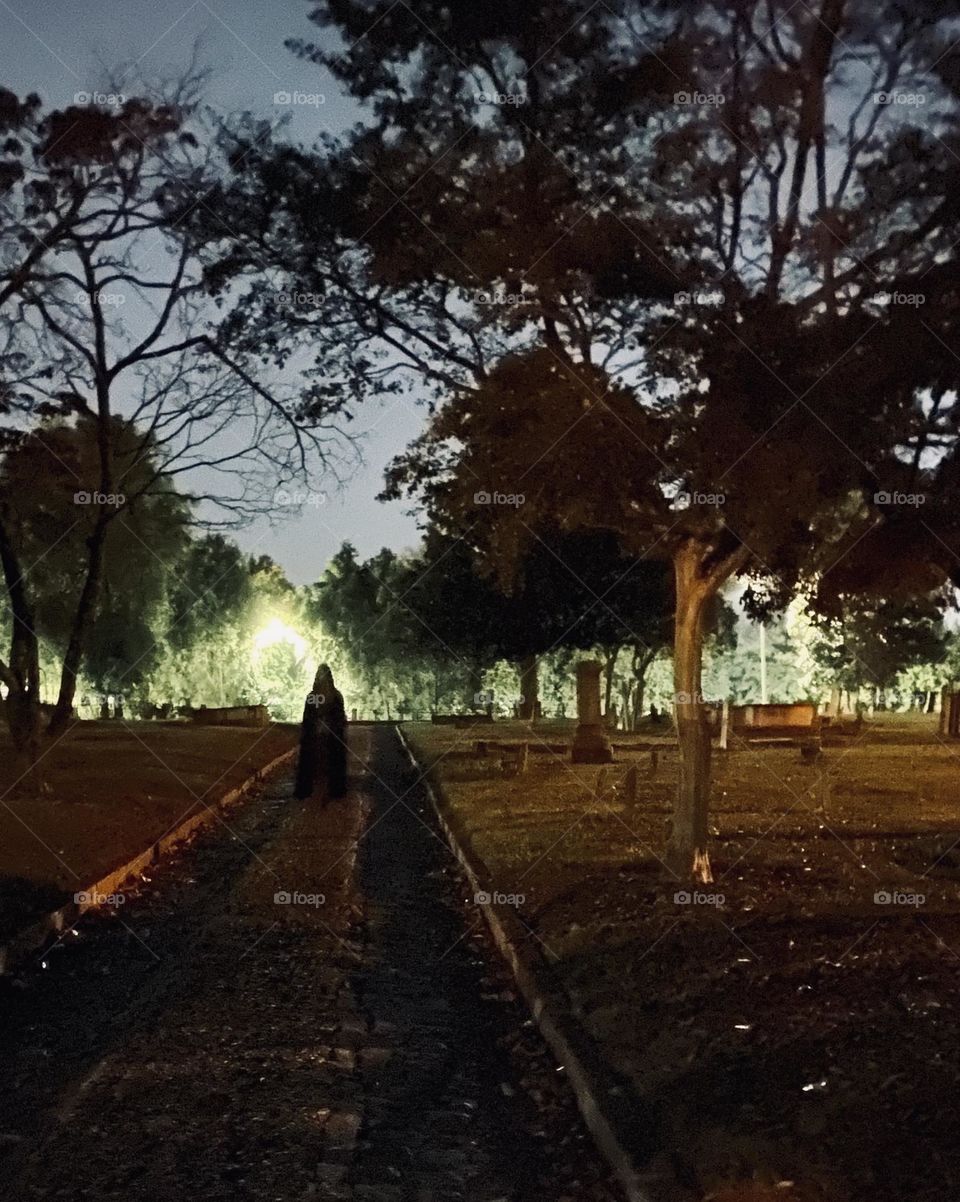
pixel 608 1104
pixel 31 938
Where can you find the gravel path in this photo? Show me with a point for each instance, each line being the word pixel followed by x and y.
pixel 356 1042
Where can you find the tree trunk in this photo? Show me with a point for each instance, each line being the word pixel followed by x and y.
pixel 687 853
pixel 529 688
pixel 639 697
pixel 641 663
pixel 609 666
pixel 698 575
pixel 83 616
pixel 22 675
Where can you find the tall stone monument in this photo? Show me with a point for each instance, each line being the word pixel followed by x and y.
pixel 590 743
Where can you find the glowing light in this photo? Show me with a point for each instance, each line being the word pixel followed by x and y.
pixel 277 631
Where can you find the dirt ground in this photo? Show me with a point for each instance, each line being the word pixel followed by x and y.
pixel 792 1029
pixel 111 789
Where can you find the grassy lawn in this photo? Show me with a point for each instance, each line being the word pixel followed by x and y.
pixel 801 1030
pixel 114 788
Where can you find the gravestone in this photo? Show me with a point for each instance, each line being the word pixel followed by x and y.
pixel 590 743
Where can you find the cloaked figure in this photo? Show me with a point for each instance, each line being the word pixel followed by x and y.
pixel 322 765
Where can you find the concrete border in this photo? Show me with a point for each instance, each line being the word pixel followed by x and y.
pixel 610 1108
pixel 32 937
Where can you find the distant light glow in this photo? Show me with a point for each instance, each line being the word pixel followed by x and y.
pixel 277 631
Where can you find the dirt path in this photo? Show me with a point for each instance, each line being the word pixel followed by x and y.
pixel 210 1040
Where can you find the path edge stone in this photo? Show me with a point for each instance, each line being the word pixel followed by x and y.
pixel 607 1103
pixel 33 936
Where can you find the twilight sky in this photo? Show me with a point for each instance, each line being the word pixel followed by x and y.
pixel 61 47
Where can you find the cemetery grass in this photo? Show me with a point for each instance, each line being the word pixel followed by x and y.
pixel 110 790
pixel 797 1041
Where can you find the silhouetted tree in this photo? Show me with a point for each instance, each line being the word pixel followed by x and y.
pixel 103 313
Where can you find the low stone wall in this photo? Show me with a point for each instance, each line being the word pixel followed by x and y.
pixel 460 719
pixel 232 715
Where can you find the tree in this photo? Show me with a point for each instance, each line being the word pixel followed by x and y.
pixel 868 643
pixel 694 235
pixel 49 531
pixel 687 231
pixel 94 205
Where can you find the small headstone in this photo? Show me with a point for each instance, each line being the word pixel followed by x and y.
pixel 630 786
pixel 654 757
pixel 810 751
